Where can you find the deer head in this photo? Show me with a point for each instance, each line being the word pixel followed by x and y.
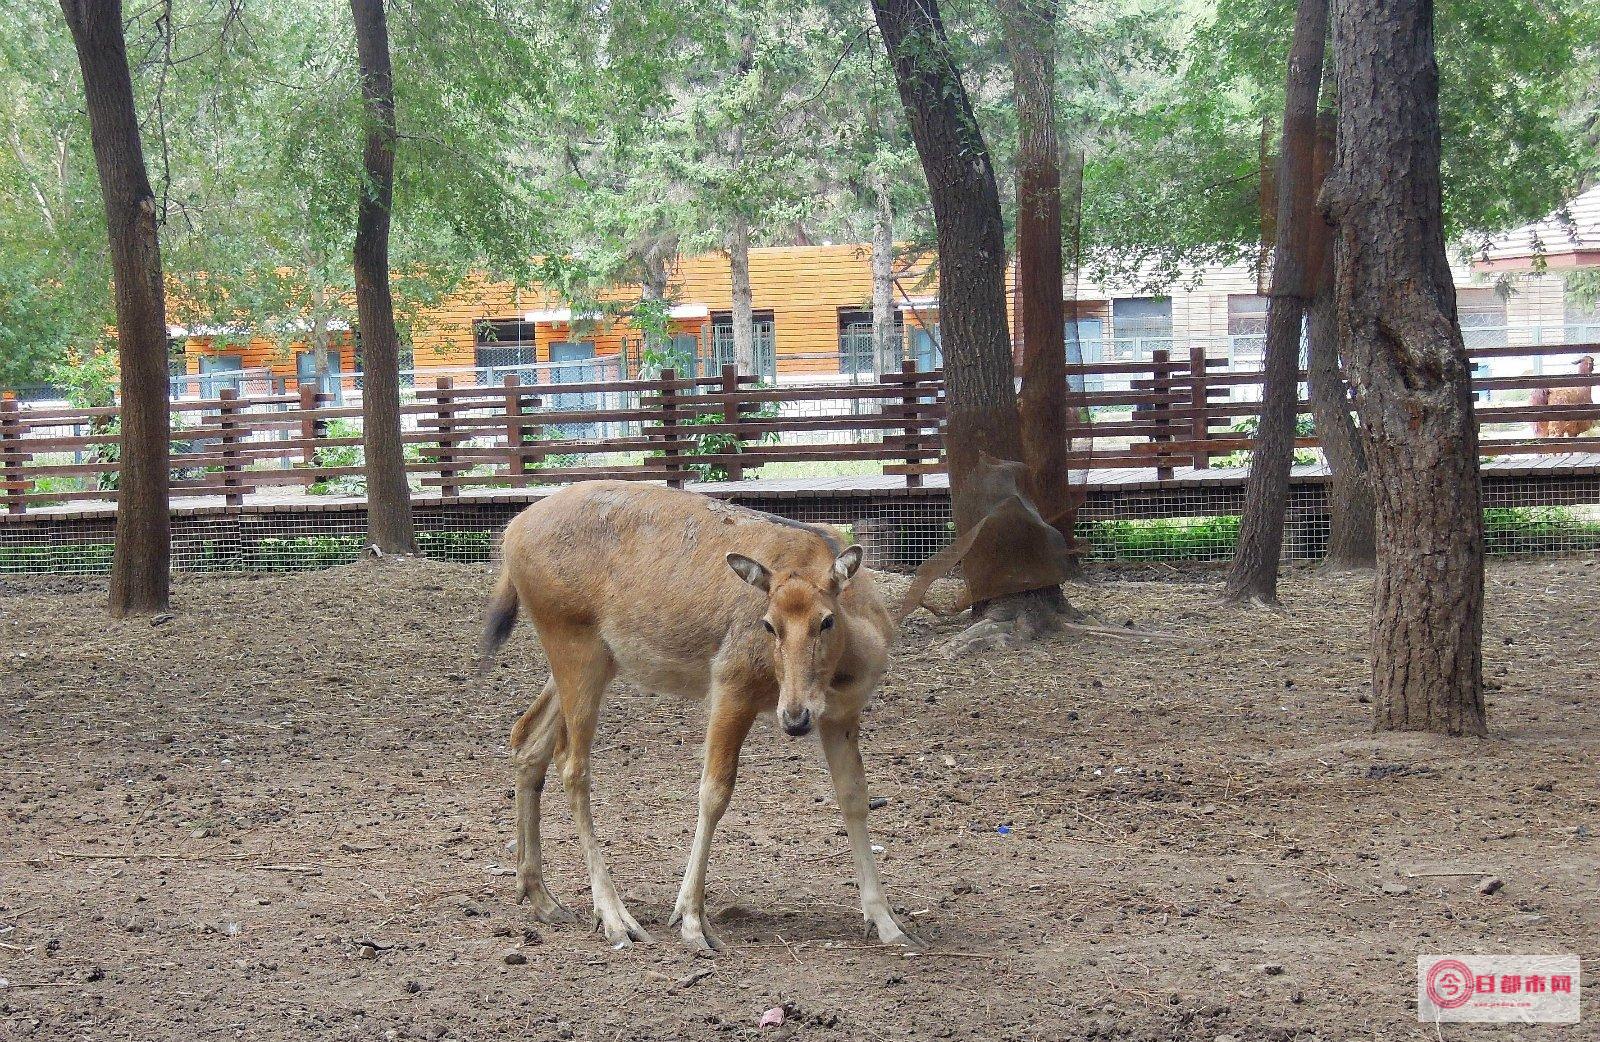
pixel 801 619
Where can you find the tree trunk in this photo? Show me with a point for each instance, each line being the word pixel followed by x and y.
pixel 1019 557
pixel 141 564
pixel 1254 575
pixel 389 521
pixel 744 327
pixel 1405 358
pixel 1030 43
pixel 1351 543
pixel 887 347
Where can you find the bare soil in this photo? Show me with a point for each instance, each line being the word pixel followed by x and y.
pixel 205 820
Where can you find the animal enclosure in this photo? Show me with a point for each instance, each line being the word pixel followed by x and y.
pixel 283 816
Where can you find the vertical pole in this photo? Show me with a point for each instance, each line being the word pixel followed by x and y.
pixel 516 428
pixel 908 405
pixel 11 456
pixel 732 411
pixel 1199 423
pixel 444 414
pixel 669 427
pixel 228 434
pixel 1160 365
pixel 310 426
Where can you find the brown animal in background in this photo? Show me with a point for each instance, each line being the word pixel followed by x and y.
pixel 685 595
pixel 1565 396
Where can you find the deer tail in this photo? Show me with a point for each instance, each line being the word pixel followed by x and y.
pixel 500 621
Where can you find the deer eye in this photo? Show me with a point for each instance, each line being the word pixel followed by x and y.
pixel 827 622
pixel 768 625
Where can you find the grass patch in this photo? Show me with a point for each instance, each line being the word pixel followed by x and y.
pixel 1161 539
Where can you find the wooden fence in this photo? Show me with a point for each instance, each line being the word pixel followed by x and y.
pixel 1174 412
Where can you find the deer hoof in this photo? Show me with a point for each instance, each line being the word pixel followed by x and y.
pixel 546 908
pixel 697 938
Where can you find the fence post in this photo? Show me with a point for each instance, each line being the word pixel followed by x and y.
pixel 11 456
pixel 669 427
pixel 732 413
pixel 1160 364
pixel 311 428
pixel 444 415
pixel 1199 423
pixel 908 403
pixel 228 435
pixel 516 427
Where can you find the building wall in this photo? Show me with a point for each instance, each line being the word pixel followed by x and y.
pixel 806 288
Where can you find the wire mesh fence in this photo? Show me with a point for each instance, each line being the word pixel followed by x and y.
pixel 898 528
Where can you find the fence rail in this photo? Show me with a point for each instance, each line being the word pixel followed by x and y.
pixel 1176 411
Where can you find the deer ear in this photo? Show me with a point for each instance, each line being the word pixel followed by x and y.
pixel 845 565
pixel 753 572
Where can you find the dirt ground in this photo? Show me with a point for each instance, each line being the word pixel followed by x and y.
pixel 206 819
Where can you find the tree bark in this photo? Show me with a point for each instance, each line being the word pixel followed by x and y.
pixel 1030 43
pixel 141 564
pixel 1405 358
pixel 744 327
pixel 887 348
pixel 1351 540
pixel 1018 558
pixel 1254 574
pixel 389 521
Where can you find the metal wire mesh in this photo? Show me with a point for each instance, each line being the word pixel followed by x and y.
pixel 898 527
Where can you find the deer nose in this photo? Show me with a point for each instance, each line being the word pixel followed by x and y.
pixel 796 724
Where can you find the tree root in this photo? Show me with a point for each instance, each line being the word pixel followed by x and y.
pixel 1021 619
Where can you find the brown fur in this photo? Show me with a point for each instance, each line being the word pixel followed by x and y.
pixel 1565 396
pixel 674 592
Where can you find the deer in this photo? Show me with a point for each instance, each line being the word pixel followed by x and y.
pixel 685 595
pixel 1543 396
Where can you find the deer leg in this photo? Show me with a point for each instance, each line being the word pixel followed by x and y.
pixel 840 743
pixel 730 724
pixel 535 740
pixel 582 667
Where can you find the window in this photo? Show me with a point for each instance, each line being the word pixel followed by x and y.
pixel 721 354
pixel 1247 326
pixel 1582 313
pixel 855 344
pixel 1139 325
pixel 1482 313
pixel 503 343
pixel 219 371
pixel 1247 314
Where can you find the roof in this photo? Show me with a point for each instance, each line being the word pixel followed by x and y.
pixel 1570 237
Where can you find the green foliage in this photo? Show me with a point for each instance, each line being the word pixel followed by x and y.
pixel 1521 530
pixel 1181 186
pixel 722 443
pixel 1162 539
pixel 328 457
pixel 1304 427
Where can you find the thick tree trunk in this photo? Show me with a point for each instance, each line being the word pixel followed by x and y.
pixel 141 563
pixel 744 328
pixel 1254 575
pixel 389 521
pixel 1351 540
pixel 1017 558
pixel 1030 43
pixel 1405 358
pixel 887 348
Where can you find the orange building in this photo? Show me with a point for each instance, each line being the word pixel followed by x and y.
pixel 812 315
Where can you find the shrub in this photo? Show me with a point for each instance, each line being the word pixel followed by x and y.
pixel 1304 427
